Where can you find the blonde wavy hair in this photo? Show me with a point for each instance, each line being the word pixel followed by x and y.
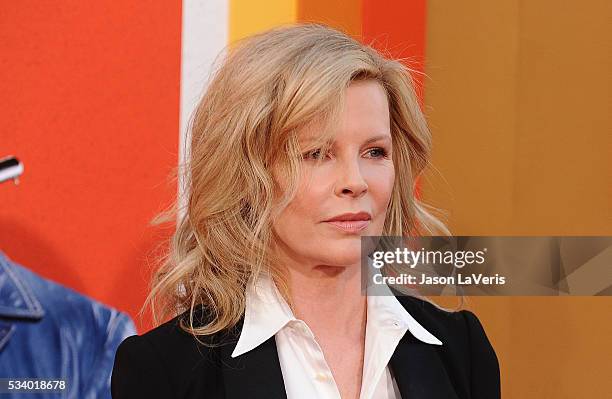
pixel 269 87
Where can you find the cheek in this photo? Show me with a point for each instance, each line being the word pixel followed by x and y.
pixel 313 190
pixel 297 229
pixel 381 188
pixel 302 212
pixel 390 186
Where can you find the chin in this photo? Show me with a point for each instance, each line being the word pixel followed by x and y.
pixel 346 255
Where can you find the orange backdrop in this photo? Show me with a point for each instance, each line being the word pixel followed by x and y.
pixel 90 94
pixel 516 97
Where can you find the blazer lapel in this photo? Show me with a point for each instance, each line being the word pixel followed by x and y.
pixel 419 371
pixel 254 374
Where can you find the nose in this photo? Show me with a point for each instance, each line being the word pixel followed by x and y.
pixel 351 181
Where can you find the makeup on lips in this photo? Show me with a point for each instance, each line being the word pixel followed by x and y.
pixel 350 222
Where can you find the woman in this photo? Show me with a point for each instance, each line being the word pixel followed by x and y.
pixel 304 141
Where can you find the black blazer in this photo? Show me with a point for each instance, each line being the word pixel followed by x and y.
pixel 167 362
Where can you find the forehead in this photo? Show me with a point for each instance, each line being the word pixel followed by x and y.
pixel 365 114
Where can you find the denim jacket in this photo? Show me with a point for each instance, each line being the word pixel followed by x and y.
pixel 53 332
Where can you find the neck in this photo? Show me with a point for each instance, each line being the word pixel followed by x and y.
pixel 329 298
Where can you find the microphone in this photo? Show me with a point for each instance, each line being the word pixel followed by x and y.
pixel 10 168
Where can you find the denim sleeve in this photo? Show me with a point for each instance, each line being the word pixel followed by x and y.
pixel 119 327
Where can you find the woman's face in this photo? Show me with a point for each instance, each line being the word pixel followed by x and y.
pixel 355 177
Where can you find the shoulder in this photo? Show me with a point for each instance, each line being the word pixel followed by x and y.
pixel 461 325
pixel 166 361
pixel 58 304
pixel 466 347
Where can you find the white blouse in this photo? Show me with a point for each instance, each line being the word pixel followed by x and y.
pixel 306 374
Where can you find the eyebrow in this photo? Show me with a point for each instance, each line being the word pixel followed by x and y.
pixel 384 137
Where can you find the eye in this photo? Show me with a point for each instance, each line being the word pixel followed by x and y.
pixel 378 152
pixel 315 154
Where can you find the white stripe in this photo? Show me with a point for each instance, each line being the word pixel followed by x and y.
pixel 204 37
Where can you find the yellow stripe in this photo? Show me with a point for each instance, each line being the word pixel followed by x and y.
pixel 345 15
pixel 247 17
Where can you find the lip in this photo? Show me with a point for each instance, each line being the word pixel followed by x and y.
pixel 351 217
pixel 350 226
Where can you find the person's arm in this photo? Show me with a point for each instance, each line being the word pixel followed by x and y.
pixel 113 327
pixel 138 372
pixel 484 365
